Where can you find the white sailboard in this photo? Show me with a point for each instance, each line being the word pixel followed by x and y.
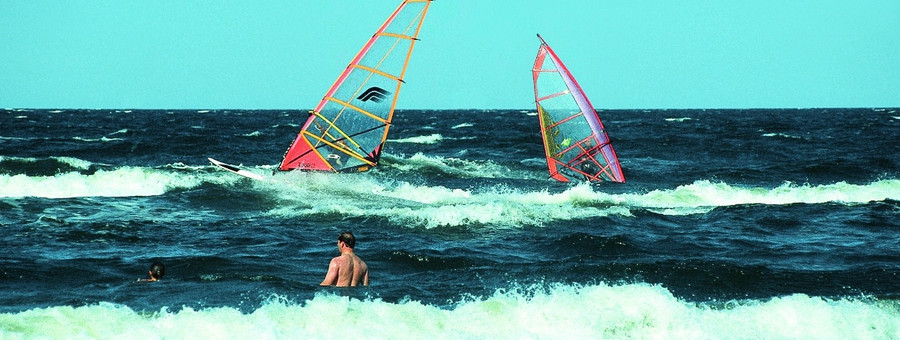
pixel 237 170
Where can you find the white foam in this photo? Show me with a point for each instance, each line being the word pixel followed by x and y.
pixel 704 193
pixel 121 182
pixel 101 139
pixel 75 162
pixel 773 134
pixel 429 139
pixel 70 161
pixel 423 205
pixel 633 311
pixel 426 206
pixel 457 167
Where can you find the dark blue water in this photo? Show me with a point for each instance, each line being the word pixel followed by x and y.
pixel 769 223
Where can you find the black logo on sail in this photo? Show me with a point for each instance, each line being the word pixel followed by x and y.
pixel 375 94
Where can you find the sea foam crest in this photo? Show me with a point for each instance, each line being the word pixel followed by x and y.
pixel 455 167
pixel 707 194
pixel 783 135
pixel 73 162
pixel 101 139
pixel 120 182
pixel 633 311
pixel 427 206
pixel 433 138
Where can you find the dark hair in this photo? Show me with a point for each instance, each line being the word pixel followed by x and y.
pixel 157 270
pixel 348 239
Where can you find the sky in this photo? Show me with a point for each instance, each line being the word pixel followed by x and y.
pixel 473 54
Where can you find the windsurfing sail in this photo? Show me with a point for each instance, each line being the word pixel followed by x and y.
pixel 575 141
pixel 347 130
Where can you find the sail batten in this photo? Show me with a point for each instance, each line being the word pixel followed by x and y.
pixel 351 123
pixel 401 36
pixel 575 142
pixel 379 72
pixel 563 93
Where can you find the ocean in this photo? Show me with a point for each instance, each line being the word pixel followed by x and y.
pixel 732 224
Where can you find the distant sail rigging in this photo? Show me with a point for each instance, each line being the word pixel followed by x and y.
pixel 347 130
pixel 575 141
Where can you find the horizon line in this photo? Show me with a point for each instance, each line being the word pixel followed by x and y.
pixel 453 109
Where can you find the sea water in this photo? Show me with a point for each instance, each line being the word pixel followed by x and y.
pixel 764 223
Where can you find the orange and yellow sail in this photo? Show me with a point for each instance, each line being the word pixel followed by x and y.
pixel 347 130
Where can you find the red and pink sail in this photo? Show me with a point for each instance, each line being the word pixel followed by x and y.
pixel 575 141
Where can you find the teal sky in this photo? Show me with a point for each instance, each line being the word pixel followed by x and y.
pixel 284 54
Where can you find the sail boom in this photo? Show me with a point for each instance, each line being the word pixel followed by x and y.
pixel 578 145
pixel 341 133
pixel 339 147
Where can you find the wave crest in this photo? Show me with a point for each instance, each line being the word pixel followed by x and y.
pixel 542 311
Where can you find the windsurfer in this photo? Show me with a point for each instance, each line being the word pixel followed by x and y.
pixel 346 270
pixel 587 165
pixel 333 157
